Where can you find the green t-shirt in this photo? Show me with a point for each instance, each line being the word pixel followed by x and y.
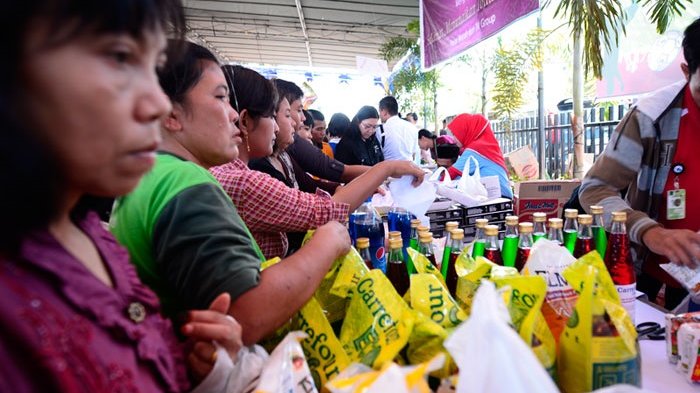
pixel 185 236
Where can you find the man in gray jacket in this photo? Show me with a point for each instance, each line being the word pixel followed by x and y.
pixel 653 155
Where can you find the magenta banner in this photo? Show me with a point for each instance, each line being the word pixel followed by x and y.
pixel 448 27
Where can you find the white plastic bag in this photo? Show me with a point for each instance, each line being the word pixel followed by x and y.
pixel 416 200
pixel 490 355
pixel 468 190
pixel 286 370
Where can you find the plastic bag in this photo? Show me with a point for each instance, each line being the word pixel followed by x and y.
pixel 392 378
pixel 430 298
pixel 423 265
pixel 286 369
pixel 324 353
pixel 352 269
pixel 426 342
pixel 378 322
pixel 524 305
pixel 416 200
pixel 468 190
pixel 469 274
pixel 490 355
pixel 549 260
pixel 598 346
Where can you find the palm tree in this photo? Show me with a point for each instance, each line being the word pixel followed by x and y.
pixel 597 25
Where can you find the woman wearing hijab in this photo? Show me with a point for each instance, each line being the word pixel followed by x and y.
pixel 360 146
pixel 476 139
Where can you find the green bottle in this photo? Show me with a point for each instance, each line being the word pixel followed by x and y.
pixel 510 241
pixel 539 230
pixel 479 238
pixel 449 227
pixel 599 235
pixel 413 242
pixel 570 229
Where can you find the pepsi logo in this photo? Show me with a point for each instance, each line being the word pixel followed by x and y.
pixel 380 253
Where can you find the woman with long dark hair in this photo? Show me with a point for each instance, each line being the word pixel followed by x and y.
pixel 80 107
pixel 360 145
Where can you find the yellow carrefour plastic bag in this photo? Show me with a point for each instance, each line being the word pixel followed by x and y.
pixel 391 378
pixel 430 298
pixel 526 296
pixel 352 269
pixel 426 342
pixel 334 306
pixel 423 265
pixel 598 346
pixel 377 323
pixel 324 353
pixel 469 274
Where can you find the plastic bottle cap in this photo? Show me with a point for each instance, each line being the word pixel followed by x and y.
pixel 457 231
pixel 619 216
pixel 491 230
pixel 570 213
pixel 457 234
pixel 395 244
pixel 426 237
pixel 555 223
pixel 511 220
pixel 595 209
pixel 585 219
pixel 449 225
pixel 362 242
pixel 394 234
pixel 482 222
pixel 415 223
pixel 539 217
pixel 423 228
pixel 525 227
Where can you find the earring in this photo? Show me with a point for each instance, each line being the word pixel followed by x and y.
pixel 247 146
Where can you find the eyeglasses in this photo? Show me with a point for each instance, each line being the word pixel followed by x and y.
pixel 368 126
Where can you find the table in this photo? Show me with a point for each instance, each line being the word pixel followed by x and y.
pixel 658 374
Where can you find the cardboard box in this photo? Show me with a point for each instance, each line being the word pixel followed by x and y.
pixel 453 213
pixel 492 217
pixel 523 163
pixel 547 196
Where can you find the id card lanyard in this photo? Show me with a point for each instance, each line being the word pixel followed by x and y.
pixel 675 199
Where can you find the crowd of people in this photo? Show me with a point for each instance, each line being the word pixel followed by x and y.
pixel 212 169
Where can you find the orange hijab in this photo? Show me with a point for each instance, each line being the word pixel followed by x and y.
pixel 474 132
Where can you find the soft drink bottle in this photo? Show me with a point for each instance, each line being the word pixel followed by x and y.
pixel 396 270
pixel 510 241
pixel 448 269
pixel 369 224
pixel 394 235
pixel 570 229
pixel 619 262
pixel 449 227
pixel 357 216
pixel 491 250
pixel 415 223
pixel 525 242
pixel 425 247
pixel 584 237
pixel 539 231
pixel 363 250
pixel 400 220
pixel 599 234
pixel 554 232
pixel 479 238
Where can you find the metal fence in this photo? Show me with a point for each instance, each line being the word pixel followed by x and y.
pixel 599 123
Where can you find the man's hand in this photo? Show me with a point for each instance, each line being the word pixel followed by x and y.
pixel 334 234
pixel 399 168
pixel 206 326
pixel 681 246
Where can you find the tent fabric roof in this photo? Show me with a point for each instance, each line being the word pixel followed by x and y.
pixel 318 33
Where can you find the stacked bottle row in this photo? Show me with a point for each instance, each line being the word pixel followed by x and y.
pixel 579 233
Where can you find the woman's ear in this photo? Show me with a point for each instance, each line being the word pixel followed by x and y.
pixel 244 121
pixel 686 71
pixel 172 122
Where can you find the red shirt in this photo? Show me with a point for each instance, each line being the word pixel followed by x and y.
pixel 687 154
pixel 270 209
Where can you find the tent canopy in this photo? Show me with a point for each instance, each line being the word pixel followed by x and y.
pixel 318 33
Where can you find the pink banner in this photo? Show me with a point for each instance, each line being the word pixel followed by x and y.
pixel 449 27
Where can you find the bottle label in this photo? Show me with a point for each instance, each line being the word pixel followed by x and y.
pixel 628 296
pixel 378 258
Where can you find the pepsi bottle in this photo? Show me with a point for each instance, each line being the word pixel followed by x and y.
pixel 368 223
